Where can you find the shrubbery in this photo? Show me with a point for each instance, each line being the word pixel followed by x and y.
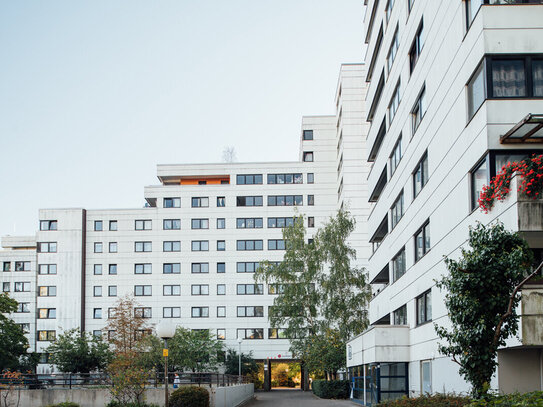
pixel 436 400
pixel 190 396
pixel 534 399
pixel 64 404
pixel 331 389
pixel 115 403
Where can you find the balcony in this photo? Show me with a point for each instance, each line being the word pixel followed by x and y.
pixel 383 343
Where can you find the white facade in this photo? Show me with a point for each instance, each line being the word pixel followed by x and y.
pixel 422 56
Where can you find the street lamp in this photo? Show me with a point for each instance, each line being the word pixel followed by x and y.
pixel 165 331
pixel 239 355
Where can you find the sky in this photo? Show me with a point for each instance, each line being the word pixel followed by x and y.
pixel 95 94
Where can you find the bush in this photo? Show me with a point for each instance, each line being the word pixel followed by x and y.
pixel 115 403
pixel 534 399
pixel 436 400
pixel 331 389
pixel 64 404
pixel 190 396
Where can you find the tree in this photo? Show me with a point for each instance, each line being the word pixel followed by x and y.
pixel 77 352
pixel 14 343
pixel 482 297
pixel 229 155
pixel 322 298
pixel 248 364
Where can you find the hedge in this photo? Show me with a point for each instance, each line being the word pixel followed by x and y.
pixel 189 396
pixel 331 389
pixel 534 399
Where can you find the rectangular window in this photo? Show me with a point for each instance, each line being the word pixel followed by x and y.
pixel 47 269
pixel 250 311
pixel 98 225
pixel 396 155
pixel 171 224
pixel 280 222
pixel 171 268
pixel 247 245
pixel 47 313
pixel 21 287
pixel 311 200
pixel 48 225
pixel 98 247
pixel 6 266
pixel 22 266
pixel 221 289
pixel 112 269
pixel 170 290
pixel 23 307
pixel 221 202
pixel 275 289
pixel 199 223
pixel 143 246
pixel 307 135
pixel 221 334
pixel 112 291
pixel 113 247
pixel 419 110
pixel 249 201
pixel 294 178
pixel 416 47
pixel 221 267
pixel 393 50
pixel 142 290
pixel 476 91
pixel 142 312
pixel 251 333
pixel 221 312
pixel 277 333
pixel 221 223
pixel 396 211
pixel 144 224
pixel 400 316
pixel 49 336
pixel 537 78
pixel 200 245
pixel 285 200
pixel 171 246
pixel 249 179
pixel 388 9
pixel 422 241
pixel 276 244
pixel 425 377
pixel 310 178
pixel 25 327
pixel 5 287
pixel 424 308
pixel 394 103
pixel 250 289
pixel 508 78
pixel 197 268
pixel 112 225
pixel 200 202
pixel 420 175
pixel 221 245
pixel 247 267
pixel 171 312
pixel 479 178
pixel 308 156
pixel 398 265
pixel 146 268
pixel 249 223
pixel 172 202
pixel 97 290
pixel 47 247
pixel 310 222
pixel 97 269
pixel 199 312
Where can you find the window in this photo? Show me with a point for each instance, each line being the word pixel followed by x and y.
pixel 49 336
pixel 143 225
pixel 47 247
pixel 388 9
pixel 249 201
pixel 296 178
pixel 250 311
pixel 308 156
pixel 416 48
pixel 276 244
pixel 221 223
pixel 311 200
pixel 143 268
pixel 249 223
pixel 113 225
pixel 221 334
pixel 172 202
pixel 97 291
pixel 171 312
pixel 142 312
pixel 5 287
pixel 23 307
pixel 200 245
pixel 200 202
pixel 221 245
pixel 251 179
pixel 476 91
pixel 251 333
pixel 22 266
pixel 400 316
pixel 199 224
pixel 308 135
pixel 419 110
pixel 221 289
pixel 47 269
pixel 422 241
pixel 47 313
pixel 396 211
pixel 244 245
pixel 171 268
pixel 310 222
pixel 398 265
pixel 410 5
pixel 396 155
pixel 275 289
pixel 112 291
pixel 221 267
pixel 376 49
pixel 394 103
pixel 221 202
pixel 420 175
pixel 171 224
pixel 537 78
pixel 479 178
pixel 247 267
pixel 98 225
pixel 142 290
pixel 113 247
pixel 97 313
pixel 250 289
pixel 277 333
pixel 48 225
pixel 280 222
pixel 221 312
pixel 199 289
pixel 424 308
pixel 171 246
pixel 393 50
pixel 425 377
pixel 21 287
pixel 98 247
pixel 7 266
pixel 112 269
pixel 200 312
pixel 285 200
pixel 25 327
pixel 170 290
pixel 310 178
pixel 199 268
pixel 110 313
pixel 143 246
pixel 508 78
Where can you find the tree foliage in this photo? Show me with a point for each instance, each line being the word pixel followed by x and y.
pixel 248 364
pixel 322 298
pixel 14 343
pixel 77 352
pixel 482 296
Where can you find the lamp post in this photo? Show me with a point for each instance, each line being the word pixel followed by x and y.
pixel 239 360
pixel 165 331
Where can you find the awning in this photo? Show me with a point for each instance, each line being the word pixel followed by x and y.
pixel 528 130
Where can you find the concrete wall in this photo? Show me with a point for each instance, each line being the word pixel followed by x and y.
pixel 520 370
pixel 232 396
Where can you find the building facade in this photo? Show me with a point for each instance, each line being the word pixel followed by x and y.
pixel 455 90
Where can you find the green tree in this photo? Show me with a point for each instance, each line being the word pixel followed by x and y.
pixel 14 343
pixel 248 364
pixel 482 297
pixel 77 352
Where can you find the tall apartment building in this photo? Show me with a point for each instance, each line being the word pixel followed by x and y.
pixel 455 91
pixel 189 255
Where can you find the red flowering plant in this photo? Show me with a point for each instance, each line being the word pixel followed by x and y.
pixel 530 171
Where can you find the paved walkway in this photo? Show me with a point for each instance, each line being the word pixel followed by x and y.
pixel 294 398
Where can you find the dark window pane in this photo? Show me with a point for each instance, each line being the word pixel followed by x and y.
pixel 508 78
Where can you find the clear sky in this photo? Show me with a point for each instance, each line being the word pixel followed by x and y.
pixel 94 94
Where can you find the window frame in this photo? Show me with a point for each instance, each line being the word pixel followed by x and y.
pixel 424 230
pixel 425 176
pixel 424 299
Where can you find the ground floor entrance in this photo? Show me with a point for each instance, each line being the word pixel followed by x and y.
pixel 284 374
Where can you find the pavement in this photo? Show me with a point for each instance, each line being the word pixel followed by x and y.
pixel 293 398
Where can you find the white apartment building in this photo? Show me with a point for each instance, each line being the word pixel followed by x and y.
pixel 189 255
pixel 455 90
